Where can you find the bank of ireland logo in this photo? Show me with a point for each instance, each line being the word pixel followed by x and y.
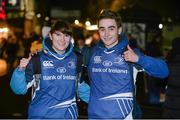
pixel 48 63
pixel 61 70
pixel 119 60
pixel 71 64
pixel 97 59
pixel 107 63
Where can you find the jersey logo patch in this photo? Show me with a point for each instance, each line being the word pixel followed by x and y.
pixel 61 70
pixel 97 59
pixel 119 60
pixel 48 64
pixel 107 63
pixel 71 65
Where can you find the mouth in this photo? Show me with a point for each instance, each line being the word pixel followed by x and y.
pixel 61 43
pixel 108 38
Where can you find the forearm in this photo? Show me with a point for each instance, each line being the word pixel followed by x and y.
pixel 18 82
pixel 84 91
pixel 153 66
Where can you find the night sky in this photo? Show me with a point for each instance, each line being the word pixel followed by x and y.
pixel 66 4
pixel 164 7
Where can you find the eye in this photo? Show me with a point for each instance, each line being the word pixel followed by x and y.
pixel 57 34
pixel 66 35
pixel 101 29
pixel 111 29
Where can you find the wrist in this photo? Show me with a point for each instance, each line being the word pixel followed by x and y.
pixel 21 68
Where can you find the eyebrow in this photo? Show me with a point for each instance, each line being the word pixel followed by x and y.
pixel 64 31
pixel 57 32
pixel 108 27
pixel 111 27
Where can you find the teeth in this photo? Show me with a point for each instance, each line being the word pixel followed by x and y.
pixel 109 37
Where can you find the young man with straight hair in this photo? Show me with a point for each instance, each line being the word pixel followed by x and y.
pixel 110 69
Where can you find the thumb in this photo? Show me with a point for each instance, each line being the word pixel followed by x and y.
pixel 129 48
pixel 30 56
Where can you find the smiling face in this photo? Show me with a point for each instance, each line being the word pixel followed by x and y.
pixel 60 41
pixel 108 31
pixel 60 35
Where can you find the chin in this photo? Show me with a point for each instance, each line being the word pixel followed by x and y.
pixel 109 44
pixel 62 49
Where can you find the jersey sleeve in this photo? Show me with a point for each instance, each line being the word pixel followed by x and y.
pixel 21 79
pixel 29 71
pixel 155 67
pixel 84 91
pixel 18 82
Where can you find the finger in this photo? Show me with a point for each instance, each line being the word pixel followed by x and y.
pixel 36 51
pixel 127 52
pixel 23 59
pixel 129 48
pixel 126 58
pixel 30 56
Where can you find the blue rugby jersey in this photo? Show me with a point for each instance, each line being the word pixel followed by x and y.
pixel 55 95
pixel 55 87
pixel 111 82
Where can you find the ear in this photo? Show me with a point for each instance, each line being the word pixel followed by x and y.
pixel 50 36
pixel 120 30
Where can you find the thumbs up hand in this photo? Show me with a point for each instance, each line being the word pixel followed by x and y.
pixel 130 55
pixel 24 62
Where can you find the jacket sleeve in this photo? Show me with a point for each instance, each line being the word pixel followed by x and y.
pixel 18 82
pixel 84 91
pixel 155 67
pixel 22 80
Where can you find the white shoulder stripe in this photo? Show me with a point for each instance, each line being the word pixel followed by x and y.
pixel 64 104
pixel 118 96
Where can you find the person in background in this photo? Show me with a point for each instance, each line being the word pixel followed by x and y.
pixel 80 46
pixel 83 49
pixel 171 108
pixel 54 85
pixel 110 70
pixel 3 42
pixel 155 85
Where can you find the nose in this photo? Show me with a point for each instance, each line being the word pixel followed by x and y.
pixel 106 33
pixel 63 37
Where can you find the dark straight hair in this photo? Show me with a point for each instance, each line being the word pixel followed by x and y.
pixel 62 26
pixel 106 13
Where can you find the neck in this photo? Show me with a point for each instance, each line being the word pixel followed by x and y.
pixel 58 51
pixel 81 46
pixel 112 45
